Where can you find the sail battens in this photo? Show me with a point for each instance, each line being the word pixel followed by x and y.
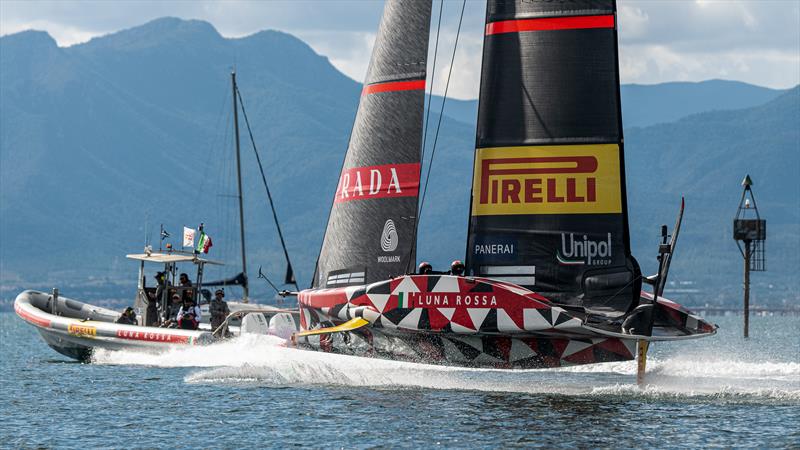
pixel 550 23
pixel 394 86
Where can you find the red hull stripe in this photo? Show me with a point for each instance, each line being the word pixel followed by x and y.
pixel 550 23
pixel 393 86
pixel 42 322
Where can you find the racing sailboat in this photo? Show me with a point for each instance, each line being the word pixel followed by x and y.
pixel 550 279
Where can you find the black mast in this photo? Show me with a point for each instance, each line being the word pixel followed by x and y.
pixel 245 295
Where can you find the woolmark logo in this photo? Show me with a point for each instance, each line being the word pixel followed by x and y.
pixel 547 180
pixel 389 238
pixel 580 251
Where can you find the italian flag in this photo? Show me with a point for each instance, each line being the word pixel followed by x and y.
pixel 403 301
pixel 203 243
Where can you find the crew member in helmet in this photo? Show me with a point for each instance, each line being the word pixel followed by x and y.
pixel 457 268
pixel 425 268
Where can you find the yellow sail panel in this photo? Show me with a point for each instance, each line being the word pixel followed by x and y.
pixel 552 179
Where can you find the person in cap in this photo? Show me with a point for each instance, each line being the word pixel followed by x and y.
pixel 218 308
pixel 174 306
pixel 189 315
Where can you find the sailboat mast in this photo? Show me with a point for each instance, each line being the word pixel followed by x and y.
pixel 245 295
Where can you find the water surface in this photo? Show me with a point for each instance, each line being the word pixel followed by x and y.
pixel 722 391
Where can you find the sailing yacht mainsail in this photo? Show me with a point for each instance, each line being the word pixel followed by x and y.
pixel 549 207
pixel 370 234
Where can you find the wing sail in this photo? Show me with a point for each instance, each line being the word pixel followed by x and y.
pixel 372 224
pixel 549 205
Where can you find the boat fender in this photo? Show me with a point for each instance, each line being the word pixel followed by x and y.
pixel 254 323
pixel 282 325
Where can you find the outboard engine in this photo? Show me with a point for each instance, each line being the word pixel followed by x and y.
pixel 254 323
pixel 282 325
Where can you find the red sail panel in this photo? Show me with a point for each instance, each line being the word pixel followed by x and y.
pixel 550 23
pixel 388 181
pixel 394 86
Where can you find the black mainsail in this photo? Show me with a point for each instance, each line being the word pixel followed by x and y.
pixel 370 233
pixel 549 207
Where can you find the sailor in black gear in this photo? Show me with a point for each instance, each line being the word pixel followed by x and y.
pixel 425 268
pixel 457 268
pixel 186 287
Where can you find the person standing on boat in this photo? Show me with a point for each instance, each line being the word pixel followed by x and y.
pixel 186 287
pixel 218 308
pixel 161 283
pixel 189 315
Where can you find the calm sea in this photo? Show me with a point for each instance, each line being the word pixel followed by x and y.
pixel 723 391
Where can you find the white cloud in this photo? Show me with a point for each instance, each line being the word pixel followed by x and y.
pixel 346 50
pixel 660 40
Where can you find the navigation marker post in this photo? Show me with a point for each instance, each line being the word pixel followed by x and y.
pixel 750 233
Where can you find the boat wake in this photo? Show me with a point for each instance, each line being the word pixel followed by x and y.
pixel 262 360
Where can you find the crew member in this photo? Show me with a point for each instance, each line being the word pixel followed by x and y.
pixel 128 317
pixel 186 287
pixel 425 268
pixel 218 308
pixel 189 316
pixel 174 306
pixel 457 268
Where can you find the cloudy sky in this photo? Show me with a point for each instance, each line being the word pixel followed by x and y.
pixel 755 41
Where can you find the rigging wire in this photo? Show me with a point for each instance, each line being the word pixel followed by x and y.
pixel 433 75
pixel 438 126
pixel 441 112
pixel 425 131
pixel 261 275
pixel 266 186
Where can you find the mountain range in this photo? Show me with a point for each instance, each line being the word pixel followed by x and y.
pixel 102 142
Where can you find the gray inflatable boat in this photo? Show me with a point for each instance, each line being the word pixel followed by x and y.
pixel 74 328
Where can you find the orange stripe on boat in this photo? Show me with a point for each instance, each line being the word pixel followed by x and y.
pixel 550 23
pixel 393 86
